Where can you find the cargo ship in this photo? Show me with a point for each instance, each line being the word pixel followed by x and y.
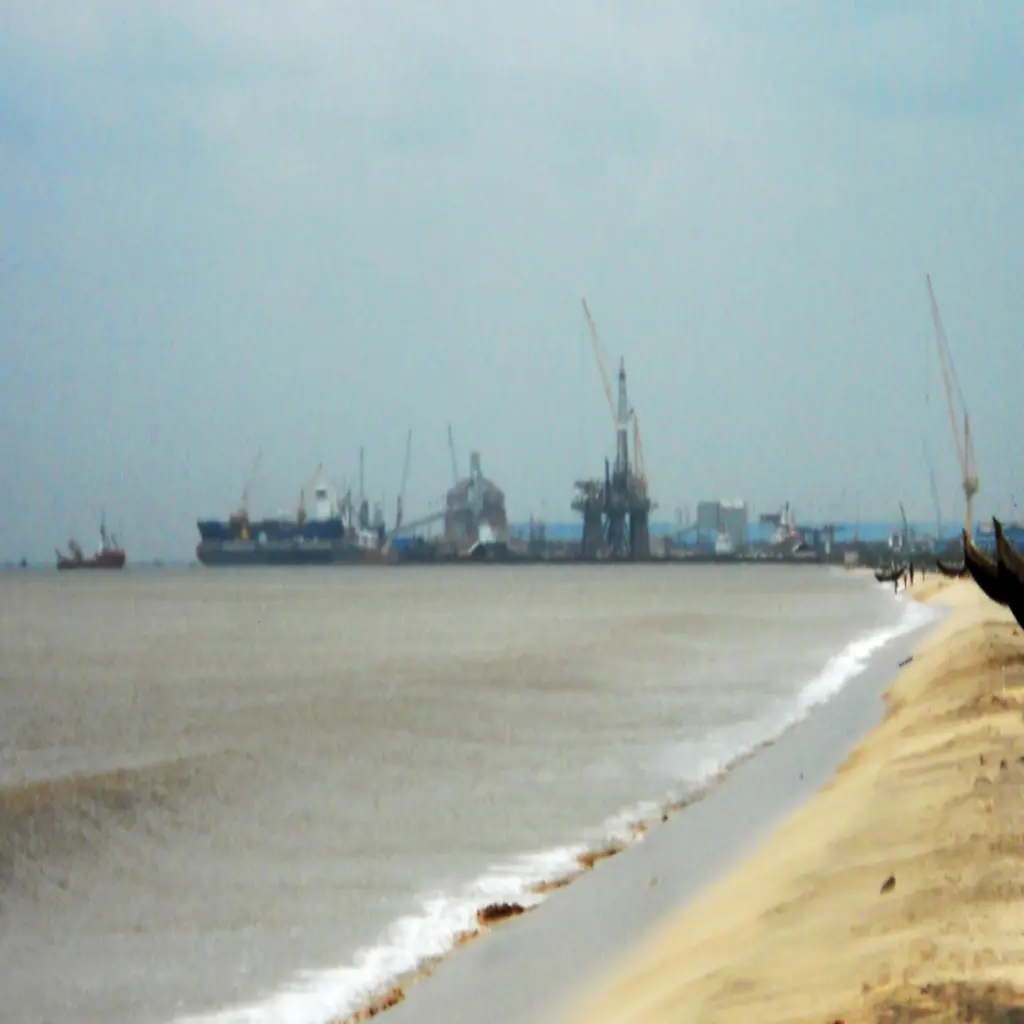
pixel 109 554
pixel 341 531
pixel 331 535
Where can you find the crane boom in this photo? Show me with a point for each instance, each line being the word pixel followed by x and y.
pixel 947 377
pixel 964 445
pixel 599 355
pixel 640 469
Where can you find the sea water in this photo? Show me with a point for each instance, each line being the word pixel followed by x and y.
pixel 260 795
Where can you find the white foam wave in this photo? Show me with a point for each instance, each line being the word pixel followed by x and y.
pixel 315 997
pixel 698 764
pixel 412 941
pixel 622 827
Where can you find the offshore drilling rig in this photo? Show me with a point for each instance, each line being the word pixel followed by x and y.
pixel 616 509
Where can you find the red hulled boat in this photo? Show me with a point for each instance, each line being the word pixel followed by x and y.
pixel 109 555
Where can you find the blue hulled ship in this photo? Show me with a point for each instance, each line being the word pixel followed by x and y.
pixel 324 537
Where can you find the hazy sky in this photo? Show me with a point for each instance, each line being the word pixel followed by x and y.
pixel 310 225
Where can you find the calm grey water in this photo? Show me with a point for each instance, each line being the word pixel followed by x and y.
pixel 212 781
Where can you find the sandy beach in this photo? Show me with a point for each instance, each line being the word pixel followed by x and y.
pixel 895 892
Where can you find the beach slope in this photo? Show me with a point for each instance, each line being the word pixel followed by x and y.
pixel 897 892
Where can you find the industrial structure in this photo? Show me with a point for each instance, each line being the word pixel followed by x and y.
pixel 475 512
pixel 615 510
pixel 473 515
pixel 722 524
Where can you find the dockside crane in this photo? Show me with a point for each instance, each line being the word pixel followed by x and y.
pixel 964 443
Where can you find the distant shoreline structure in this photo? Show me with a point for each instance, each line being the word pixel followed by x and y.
pixel 871 533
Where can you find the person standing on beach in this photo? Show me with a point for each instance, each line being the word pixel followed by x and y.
pixel 911 573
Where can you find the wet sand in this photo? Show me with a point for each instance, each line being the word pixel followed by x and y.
pixel 895 893
pixel 554 962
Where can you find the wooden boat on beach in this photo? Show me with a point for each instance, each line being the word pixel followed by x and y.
pixel 984 571
pixel 1010 565
pixel 1002 579
pixel 889 575
pixel 952 572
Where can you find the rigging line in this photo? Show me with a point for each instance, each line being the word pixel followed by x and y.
pixel 581 430
pixel 949 360
pixel 956 379
pixel 952 367
pixel 928 377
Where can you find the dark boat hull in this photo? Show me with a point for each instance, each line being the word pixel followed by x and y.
pixel 1010 566
pixel 106 560
pixel 271 531
pixel 889 575
pixel 984 571
pixel 251 553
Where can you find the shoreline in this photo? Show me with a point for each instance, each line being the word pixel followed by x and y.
pixel 37 570
pixel 483 982
pixel 894 892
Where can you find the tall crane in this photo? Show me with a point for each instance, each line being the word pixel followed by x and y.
pixel 622 414
pixel 964 444
pixel 405 477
